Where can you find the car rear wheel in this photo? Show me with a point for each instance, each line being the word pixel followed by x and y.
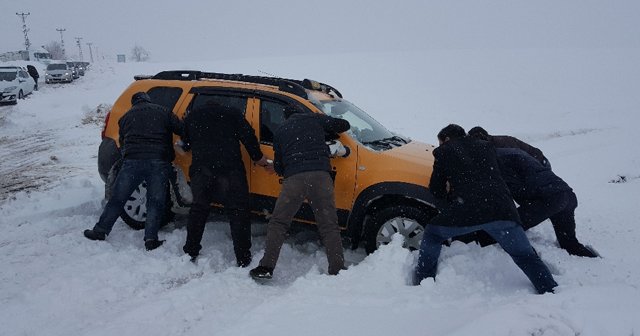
pixel 407 220
pixel 134 211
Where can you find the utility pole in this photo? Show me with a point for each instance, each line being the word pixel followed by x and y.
pixel 27 44
pixel 79 46
pixel 90 51
pixel 64 56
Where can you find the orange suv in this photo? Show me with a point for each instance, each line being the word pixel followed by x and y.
pixel 380 188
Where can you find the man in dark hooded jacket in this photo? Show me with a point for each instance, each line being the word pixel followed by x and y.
pixel 146 144
pixel 33 72
pixel 507 141
pixel 465 173
pixel 214 132
pixel 541 194
pixel 301 156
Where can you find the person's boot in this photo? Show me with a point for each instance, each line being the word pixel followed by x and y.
pixel 152 244
pixel 243 259
pixel 261 273
pixel 94 235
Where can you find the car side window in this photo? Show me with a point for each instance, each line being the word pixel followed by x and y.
pixel 165 96
pixel 236 102
pixel 271 116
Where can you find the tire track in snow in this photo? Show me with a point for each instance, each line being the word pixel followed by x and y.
pixel 24 165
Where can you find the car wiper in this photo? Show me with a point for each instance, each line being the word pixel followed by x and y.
pixel 387 141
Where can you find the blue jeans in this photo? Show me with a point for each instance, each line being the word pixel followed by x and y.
pixel 132 173
pixel 508 234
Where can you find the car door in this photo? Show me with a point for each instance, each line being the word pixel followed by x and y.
pixel 267 113
pixel 26 85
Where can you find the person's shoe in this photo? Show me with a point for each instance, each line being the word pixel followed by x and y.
pixel 152 244
pixel 261 273
pixel 94 235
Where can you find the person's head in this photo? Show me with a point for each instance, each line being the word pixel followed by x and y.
pixel 140 97
pixel 451 132
pixel 479 133
pixel 289 110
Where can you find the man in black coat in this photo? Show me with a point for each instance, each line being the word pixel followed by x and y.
pixel 213 133
pixel 465 173
pixel 146 143
pixel 301 156
pixel 33 72
pixel 541 194
pixel 507 141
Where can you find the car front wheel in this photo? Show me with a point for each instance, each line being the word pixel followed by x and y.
pixel 409 221
pixel 20 95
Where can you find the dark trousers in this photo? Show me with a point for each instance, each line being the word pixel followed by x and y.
pixel 229 188
pixel 560 209
pixel 133 172
pixel 508 234
pixel 317 188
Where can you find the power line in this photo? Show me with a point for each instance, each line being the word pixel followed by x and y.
pixel 79 46
pixel 27 44
pixel 62 42
pixel 90 51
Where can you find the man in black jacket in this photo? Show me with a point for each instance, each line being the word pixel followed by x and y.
pixel 541 194
pixel 146 143
pixel 301 156
pixel 507 141
pixel 465 173
pixel 33 72
pixel 213 132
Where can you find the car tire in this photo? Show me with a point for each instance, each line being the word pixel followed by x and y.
pixel 134 211
pixel 407 220
pixel 20 95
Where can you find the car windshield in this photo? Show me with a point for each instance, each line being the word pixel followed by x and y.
pixel 57 67
pixel 8 76
pixel 364 128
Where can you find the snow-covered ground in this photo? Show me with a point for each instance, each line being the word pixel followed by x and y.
pixel 581 107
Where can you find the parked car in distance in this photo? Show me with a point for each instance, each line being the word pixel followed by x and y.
pixel 82 67
pixel 15 83
pixel 58 72
pixel 380 188
pixel 74 70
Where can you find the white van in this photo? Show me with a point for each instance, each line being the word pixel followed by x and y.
pixel 15 83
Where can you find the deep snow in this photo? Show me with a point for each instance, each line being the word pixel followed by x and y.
pixel 579 106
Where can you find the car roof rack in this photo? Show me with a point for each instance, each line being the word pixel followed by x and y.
pixel 284 84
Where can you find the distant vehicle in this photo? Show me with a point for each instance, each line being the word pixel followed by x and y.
pixel 58 72
pixel 74 70
pixel 35 55
pixel 15 83
pixel 81 67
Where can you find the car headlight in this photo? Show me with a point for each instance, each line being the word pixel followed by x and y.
pixel 10 88
pixel 66 74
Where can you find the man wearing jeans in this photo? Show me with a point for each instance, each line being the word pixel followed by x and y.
pixel 466 174
pixel 146 142
pixel 301 156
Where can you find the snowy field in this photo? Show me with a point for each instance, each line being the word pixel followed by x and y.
pixel 580 106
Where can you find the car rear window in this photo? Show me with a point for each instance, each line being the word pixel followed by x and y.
pixel 165 96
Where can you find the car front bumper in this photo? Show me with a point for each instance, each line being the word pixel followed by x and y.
pixel 8 97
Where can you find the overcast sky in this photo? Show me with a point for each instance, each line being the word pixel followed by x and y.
pixel 209 29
